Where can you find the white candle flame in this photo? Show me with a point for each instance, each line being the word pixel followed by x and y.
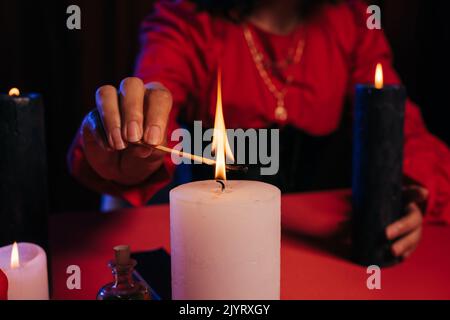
pixel 15 260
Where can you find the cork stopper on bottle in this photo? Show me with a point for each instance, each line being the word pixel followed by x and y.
pixel 122 254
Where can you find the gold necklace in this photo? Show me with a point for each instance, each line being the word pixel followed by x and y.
pixel 281 113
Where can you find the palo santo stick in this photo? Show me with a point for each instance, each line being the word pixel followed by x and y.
pixel 190 156
pixel 181 154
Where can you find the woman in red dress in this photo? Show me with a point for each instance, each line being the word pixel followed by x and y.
pixel 290 64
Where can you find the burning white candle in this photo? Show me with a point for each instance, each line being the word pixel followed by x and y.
pixel 225 241
pixel 225 245
pixel 25 266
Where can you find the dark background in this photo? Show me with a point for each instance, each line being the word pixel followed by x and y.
pixel 38 53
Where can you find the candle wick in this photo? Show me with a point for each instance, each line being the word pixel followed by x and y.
pixel 222 184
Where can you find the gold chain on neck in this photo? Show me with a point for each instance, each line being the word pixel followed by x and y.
pixel 281 113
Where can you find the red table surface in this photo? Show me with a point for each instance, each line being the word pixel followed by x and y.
pixel 313 266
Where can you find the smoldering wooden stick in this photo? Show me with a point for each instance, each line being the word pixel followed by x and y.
pixel 190 156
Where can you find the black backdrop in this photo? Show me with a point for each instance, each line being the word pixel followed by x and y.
pixel 38 53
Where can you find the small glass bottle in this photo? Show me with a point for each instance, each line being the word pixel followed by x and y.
pixel 124 286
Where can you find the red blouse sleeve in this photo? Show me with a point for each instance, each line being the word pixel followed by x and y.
pixel 168 53
pixel 167 56
pixel 427 159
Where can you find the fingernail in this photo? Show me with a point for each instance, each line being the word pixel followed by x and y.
pixel 133 131
pixel 153 135
pixel 395 231
pixel 390 233
pixel 396 250
pixel 116 139
pixel 111 141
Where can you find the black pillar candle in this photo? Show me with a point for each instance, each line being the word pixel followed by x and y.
pixel 377 171
pixel 23 170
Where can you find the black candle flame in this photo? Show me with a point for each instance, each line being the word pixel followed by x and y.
pixel 14 92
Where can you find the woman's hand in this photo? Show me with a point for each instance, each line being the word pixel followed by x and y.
pixel 137 113
pixel 408 230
